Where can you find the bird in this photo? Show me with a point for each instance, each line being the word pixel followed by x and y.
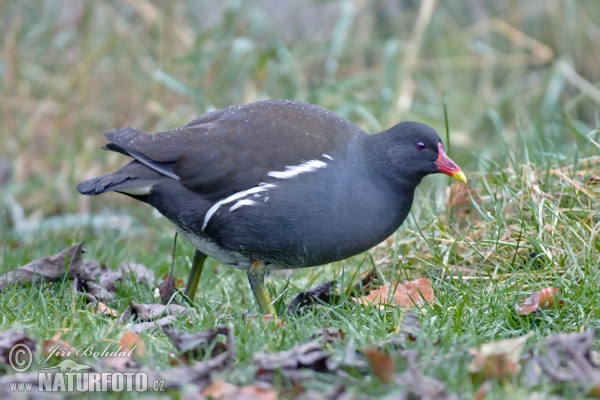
pixel 275 184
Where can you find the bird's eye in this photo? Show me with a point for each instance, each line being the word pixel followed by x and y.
pixel 421 146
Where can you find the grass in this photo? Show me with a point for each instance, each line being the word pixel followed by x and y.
pixel 521 99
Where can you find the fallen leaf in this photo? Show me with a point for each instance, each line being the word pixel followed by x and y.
pixel 8 340
pixel 328 335
pixel 50 268
pixel 458 196
pixel 381 363
pixel 102 309
pixel 179 283
pixel 94 291
pixel 419 386
pixel 542 299
pixel 408 330
pixel 56 347
pixel 564 358
pixel 149 312
pixel 201 344
pixel 309 356
pixel 221 390
pixel 167 289
pixel 130 343
pixel 159 323
pixel 407 294
pixel 324 292
pixel 498 359
pixel 137 271
pixel 153 315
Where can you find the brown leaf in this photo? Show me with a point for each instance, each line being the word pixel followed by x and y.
pixel 543 299
pixel 381 363
pixel 409 330
pixel 155 315
pixel 102 309
pixel 8 340
pixel 324 292
pixel 221 390
pixel 94 291
pixel 311 356
pixel 199 345
pixel 498 359
pixel 179 283
pixel 129 345
pixel 55 347
pixel 167 289
pixel 565 357
pixel 137 271
pixel 150 312
pixel 419 386
pixel 407 294
pixel 50 268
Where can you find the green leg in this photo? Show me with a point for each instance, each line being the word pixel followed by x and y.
pixel 256 276
pixel 196 271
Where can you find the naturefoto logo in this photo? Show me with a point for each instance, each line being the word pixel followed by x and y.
pixel 69 366
pixel 71 376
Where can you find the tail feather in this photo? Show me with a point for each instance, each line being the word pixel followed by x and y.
pixel 134 178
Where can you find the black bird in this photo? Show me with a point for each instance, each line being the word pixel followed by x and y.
pixel 276 184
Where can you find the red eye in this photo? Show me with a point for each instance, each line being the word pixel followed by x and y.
pixel 421 146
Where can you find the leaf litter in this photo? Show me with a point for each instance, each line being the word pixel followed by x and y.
pixel 560 358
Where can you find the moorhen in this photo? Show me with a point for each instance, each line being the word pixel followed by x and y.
pixel 276 184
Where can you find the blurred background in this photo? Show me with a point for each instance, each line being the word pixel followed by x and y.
pixel 518 78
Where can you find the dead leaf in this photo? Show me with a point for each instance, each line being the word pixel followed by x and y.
pixel 565 357
pixel 167 289
pixel 150 312
pixel 201 344
pixel 420 386
pixel 94 291
pixel 129 345
pixel 458 196
pixel 498 359
pixel 409 330
pixel 8 340
pixel 328 335
pixel 56 347
pixel 50 268
pixel 131 340
pixel 324 292
pixel 542 299
pixel 221 390
pixel 381 363
pixel 137 271
pixel 407 294
pixel 102 309
pixel 179 283
pixel 154 315
pixel 309 356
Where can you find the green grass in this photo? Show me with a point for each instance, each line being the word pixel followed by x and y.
pixel 70 74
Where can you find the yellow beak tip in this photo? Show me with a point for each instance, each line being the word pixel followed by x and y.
pixel 459 176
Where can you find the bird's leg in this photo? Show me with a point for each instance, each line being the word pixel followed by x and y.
pixel 196 271
pixel 256 277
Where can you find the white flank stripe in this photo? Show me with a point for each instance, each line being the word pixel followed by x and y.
pixel 240 203
pixel 257 189
pixel 291 171
pixel 137 191
pixel 327 156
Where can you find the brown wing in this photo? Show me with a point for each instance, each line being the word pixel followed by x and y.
pixel 233 149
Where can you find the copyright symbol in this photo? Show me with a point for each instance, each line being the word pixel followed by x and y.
pixel 20 357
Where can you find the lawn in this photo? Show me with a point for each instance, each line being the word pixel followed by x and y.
pixel 513 93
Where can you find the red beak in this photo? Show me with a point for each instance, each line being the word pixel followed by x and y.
pixel 447 166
